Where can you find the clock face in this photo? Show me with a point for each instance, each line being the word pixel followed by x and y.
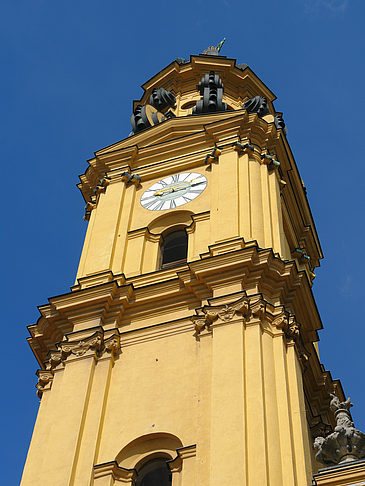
pixel 173 191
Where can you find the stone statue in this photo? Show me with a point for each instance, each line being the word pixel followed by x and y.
pixel 345 443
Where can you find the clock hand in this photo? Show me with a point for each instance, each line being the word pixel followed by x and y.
pixel 183 185
pixel 164 191
pixel 170 189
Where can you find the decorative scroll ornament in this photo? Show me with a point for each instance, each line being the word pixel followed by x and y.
pixel 211 90
pixel 223 312
pixel 345 443
pixel 257 104
pixel 146 116
pixel 279 123
pixel 291 329
pixel 77 348
pixel 161 98
pixel 96 344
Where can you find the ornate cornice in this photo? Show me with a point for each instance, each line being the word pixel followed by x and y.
pixel 159 147
pixel 116 299
pixel 112 470
pixel 276 289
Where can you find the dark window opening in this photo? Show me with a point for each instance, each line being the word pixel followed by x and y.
pixel 174 249
pixel 154 473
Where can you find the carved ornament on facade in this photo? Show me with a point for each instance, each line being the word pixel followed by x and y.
pixel 131 178
pixel 103 184
pixel 223 313
pixel 291 329
pixel 101 187
pixel 253 308
pixel 95 345
pixel 345 443
pixel 45 379
pixel 78 348
pixel 270 161
pixel 212 156
pixel 245 146
pixel 88 208
pixel 258 309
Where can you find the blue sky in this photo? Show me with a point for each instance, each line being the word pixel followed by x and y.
pixel 70 73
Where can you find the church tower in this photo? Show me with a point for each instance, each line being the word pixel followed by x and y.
pixel 185 354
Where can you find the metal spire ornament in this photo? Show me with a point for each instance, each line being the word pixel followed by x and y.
pixel 214 51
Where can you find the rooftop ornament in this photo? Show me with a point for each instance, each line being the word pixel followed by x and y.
pixel 345 443
pixel 211 90
pixel 214 51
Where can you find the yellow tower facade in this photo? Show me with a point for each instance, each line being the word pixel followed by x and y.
pixel 185 353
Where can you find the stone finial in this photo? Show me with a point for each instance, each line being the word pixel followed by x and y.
pixel 345 443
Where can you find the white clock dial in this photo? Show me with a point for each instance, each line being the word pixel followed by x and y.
pixel 173 191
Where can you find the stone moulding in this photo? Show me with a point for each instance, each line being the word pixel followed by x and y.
pixel 202 128
pixel 113 297
pixel 107 298
pixel 95 345
pixel 112 470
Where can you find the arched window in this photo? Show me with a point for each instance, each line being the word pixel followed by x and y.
pixel 154 473
pixel 174 249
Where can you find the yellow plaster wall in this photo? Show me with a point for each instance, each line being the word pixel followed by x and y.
pixel 242 199
pixel 235 392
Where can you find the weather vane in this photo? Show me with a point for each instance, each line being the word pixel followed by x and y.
pixel 214 51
